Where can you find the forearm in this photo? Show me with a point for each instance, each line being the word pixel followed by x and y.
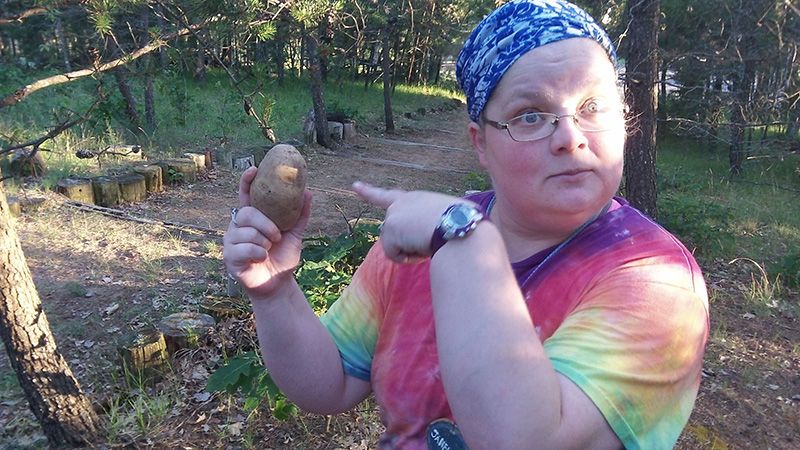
pixel 500 385
pixel 299 353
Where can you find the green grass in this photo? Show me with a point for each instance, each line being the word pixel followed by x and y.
pixel 755 215
pixel 190 115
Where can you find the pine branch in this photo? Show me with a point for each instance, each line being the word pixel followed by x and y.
pixel 18 18
pixel 155 44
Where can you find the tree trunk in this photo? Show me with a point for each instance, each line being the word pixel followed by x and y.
pixel 162 25
pixel 640 94
pixel 386 64
pixel 121 76
pixel 317 95
pixel 736 149
pixel 149 101
pixel 200 63
pixel 280 50
pixel 741 87
pixel 147 62
pixel 53 393
pixel 62 43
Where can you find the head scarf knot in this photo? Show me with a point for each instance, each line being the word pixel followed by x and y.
pixel 511 31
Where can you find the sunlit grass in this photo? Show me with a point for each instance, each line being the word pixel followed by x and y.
pixel 761 204
pixel 192 115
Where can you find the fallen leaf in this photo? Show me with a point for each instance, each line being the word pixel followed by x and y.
pixel 112 309
pixel 202 397
pixel 199 373
pixel 88 344
pixel 235 429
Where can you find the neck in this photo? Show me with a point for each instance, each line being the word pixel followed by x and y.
pixel 523 239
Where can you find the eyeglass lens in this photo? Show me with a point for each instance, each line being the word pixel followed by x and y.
pixel 532 126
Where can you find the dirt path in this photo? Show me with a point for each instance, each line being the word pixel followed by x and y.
pixel 101 277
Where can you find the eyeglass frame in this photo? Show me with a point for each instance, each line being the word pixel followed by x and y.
pixel 556 118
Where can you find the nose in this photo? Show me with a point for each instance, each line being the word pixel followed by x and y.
pixel 568 136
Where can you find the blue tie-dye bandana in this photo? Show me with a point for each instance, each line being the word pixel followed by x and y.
pixel 511 31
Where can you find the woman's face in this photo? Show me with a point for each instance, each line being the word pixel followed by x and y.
pixel 558 181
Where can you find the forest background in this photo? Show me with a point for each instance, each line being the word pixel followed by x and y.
pixel 172 76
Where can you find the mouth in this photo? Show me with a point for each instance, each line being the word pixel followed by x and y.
pixel 571 173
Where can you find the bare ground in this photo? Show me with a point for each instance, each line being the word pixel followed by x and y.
pixel 100 277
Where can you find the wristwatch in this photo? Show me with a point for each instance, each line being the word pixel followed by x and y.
pixel 457 221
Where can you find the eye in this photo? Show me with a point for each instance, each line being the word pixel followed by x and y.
pixel 530 118
pixel 595 106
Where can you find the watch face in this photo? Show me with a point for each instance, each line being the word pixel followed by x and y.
pixel 459 220
pixel 460 217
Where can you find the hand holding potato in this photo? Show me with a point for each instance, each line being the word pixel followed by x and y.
pixel 256 252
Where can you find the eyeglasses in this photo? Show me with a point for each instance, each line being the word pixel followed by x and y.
pixel 595 116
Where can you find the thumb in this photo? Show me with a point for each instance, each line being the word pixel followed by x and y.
pixel 377 196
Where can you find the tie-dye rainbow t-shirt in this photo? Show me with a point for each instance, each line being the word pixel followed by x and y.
pixel 622 312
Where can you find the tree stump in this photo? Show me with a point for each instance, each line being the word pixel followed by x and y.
pixel 13 205
pixel 132 187
pixel 349 131
pixel 258 152
pixel 221 308
pixel 185 330
pixel 223 156
pixel 199 160
pixel 106 191
pixel 142 355
pixel 209 160
pixel 179 171
pixel 153 179
pixel 242 162
pixel 336 130
pixel 78 189
pixel 24 165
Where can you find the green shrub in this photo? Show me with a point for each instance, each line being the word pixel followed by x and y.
pixel 788 269
pixel 328 265
pixel 475 181
pixel 701 224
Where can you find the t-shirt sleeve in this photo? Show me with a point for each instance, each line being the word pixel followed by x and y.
pixel 353 320
pixel 635 347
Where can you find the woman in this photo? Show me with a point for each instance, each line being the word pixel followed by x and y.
pixel 544 314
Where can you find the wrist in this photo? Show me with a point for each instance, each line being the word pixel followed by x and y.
pixel 483 239
pixel 280 286
pixel 457 221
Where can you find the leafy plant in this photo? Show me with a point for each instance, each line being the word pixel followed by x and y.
pixel 247 374
pixel 173 176
pixel 328 264
pixel 475 181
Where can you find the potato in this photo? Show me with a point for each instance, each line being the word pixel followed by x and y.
pixel 277 191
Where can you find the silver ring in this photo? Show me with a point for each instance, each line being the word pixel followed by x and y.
pixel 234 211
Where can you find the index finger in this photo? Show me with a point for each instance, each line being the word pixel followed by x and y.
pixel 244 186
pixel 377 196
